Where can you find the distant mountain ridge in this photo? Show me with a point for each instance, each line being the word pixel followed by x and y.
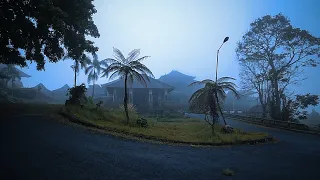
pixel 177 79
pixel 42 88
pixel 64 88
pixel 174 74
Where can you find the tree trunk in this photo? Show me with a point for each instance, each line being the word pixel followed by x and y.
pixel 212 128
pixel 264 110
pixel 216 95
pixel 93 88
pixel 75 77
pixel 94 72
pixel 263 105
pixel 125 99
pixel 276 109
pixel 277 98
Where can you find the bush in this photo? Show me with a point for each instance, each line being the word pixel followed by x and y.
pixel 77 95
pixel 142 122
pixel 227 129
pixel 227 172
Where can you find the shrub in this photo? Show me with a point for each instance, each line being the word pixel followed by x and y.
pixel 77 95
pixel 227 172
pixel 142 122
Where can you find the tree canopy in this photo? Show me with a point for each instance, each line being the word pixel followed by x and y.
pixel 45 30
pixel 294 109
pixel 207 100
pixel 271 56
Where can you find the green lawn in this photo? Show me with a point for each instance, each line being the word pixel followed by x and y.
pixel 177 129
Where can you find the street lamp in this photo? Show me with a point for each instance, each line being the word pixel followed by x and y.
pixel 224 41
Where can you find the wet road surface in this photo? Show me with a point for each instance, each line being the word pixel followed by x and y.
pixel 35 147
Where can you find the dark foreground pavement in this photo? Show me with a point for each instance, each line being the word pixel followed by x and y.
pixel 34 147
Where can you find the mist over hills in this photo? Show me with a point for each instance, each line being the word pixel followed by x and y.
pixel 179 95
pixel 180 82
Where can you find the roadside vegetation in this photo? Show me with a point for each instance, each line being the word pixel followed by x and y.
pixel 167 128
pixel 126 120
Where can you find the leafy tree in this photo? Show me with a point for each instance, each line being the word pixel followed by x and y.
pixel 129 69
pixel 94 69
pixel 292 107
pixel 77 95
pixel 274 52
pixel 40 30
pixel 207 98
pixel 80 64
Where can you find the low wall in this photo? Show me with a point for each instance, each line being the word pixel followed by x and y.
pixel 274 123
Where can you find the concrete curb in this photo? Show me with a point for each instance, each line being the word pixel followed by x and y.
pixel 277 127
pixel 162 140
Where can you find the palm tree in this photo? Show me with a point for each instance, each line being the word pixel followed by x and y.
pixel 129 68
pixel 80 64
pixel 94 69
pixel 210 94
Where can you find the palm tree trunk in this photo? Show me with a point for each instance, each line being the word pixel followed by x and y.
pixel 94 74
pixel 93 88
pixel 75 77
pixel 213 122
pixel 125 99
pixel 219 107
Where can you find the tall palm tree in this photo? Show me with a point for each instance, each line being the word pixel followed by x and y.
pixel 210 94
pixel 129 69
pixel 80 64
pixel 94 69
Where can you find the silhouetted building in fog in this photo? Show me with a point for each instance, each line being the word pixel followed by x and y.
pixel 16 82
pixel 153 96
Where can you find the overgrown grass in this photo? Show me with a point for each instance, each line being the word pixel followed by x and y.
pixel 177 129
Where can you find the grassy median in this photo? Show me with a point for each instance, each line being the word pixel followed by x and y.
pixel 175 129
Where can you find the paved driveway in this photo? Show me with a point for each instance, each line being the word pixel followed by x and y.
pixel 35 147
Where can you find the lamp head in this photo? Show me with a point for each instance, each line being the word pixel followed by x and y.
pixel 225 39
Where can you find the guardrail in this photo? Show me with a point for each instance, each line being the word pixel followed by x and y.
pixel 275 123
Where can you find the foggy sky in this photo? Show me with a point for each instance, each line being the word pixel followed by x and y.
pixel 182 35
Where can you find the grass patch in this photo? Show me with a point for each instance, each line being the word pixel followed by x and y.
pixel 174 129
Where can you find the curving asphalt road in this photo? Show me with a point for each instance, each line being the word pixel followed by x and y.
pixel 35 147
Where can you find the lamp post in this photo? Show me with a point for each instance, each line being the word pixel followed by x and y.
pixel 224 41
